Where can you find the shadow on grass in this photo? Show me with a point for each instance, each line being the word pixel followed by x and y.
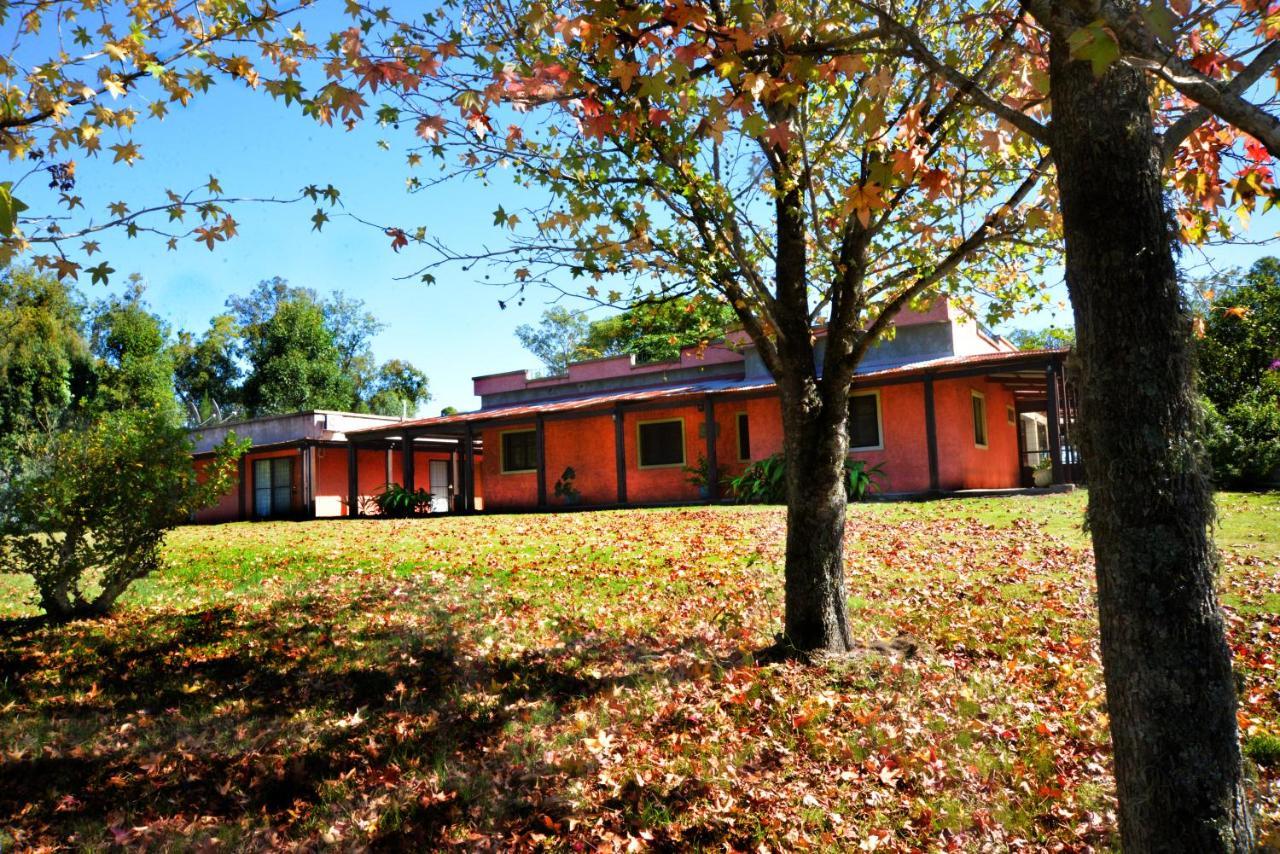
pixel 285 721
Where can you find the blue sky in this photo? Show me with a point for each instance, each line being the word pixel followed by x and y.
pixel 453 330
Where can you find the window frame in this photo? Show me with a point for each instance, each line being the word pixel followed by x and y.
pixel 684 439
pixel 975 395
pixel 502 450
pixel 1011 414
pixel 738 420
pixel 879 446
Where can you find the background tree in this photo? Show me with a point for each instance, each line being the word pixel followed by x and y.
pixel 134 368
pixel 45 363
pixel 293 361
pixel 1049 338
pixel 559 338
pixel 1239 374
pixel 656 332
pixel 206 371
pixel 400 388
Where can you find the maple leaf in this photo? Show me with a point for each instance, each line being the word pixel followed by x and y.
pixel 398 238
pixel 430 128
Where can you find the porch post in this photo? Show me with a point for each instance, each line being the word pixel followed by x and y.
pixel 244 486
pixel 931 434
pixel 1055 439
pixel 540 440
pixel 353 480
pixel 713 471
pixel 469 472
pixel 406 461
pixel 620 452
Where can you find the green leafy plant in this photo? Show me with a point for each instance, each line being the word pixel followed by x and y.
pixel 564 488
pixel 397 502
pixel 698 474
pixel 86 510
pixel 765 481
pixel 1263 749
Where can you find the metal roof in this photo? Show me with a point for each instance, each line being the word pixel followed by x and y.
pixel 454 424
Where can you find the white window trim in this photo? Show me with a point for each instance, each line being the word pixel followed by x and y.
pixel 684 455
pixel 986 420
pixel 502 450
pixel 879 422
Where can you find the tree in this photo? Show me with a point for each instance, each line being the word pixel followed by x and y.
pixel 134 368
pixel 1049 338
pixel 559 338
pixel 1238 355
pixel 656 332
pixel 206 372
pixel 1171 700
pixel 88 510
pixel 45 363
pixel 788 164
pixel 399 388
pixel 79 87
pixel 353 329
pixel 293 362
pixel 1240 340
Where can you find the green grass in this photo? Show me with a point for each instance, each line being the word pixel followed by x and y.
pixel 585 680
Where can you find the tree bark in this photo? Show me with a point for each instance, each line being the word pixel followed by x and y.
pixel 1170 693
pixel 815 444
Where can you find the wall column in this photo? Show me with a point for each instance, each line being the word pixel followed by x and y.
pixel 713 470
pixel 244 486
pixel 620 452
pixel 931 434
pixel 540 440
pixel 406 461
pixel 353 480
pixel 469 471
pixel 1052 404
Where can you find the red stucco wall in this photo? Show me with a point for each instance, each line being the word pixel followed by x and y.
pixel 228 507
pixel 961 463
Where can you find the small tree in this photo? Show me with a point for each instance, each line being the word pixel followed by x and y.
pixel 88 509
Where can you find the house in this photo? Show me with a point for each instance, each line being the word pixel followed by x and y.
pixel 942 405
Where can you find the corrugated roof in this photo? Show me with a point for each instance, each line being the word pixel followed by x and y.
pixel 605 400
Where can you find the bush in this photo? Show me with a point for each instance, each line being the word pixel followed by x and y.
pixel 398 503
pixel 1243 442
pixel 765 481
pixel 1263 749
pixel 85 511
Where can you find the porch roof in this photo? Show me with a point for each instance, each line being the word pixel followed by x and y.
pixel 1023 371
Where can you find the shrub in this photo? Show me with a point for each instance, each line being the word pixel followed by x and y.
pixel 1263 749
pixel 1243 442
pixel 85 511
pixel 564 488
pixel 397 502
pixel 765 481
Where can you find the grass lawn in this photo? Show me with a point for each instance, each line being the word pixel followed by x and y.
pixel 585 681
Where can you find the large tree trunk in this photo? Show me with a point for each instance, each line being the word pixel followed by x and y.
pixel 1170 694
pixel 815 444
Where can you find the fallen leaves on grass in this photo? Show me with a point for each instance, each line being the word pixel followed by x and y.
pixel 581 682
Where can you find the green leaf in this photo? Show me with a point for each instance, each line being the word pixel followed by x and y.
pixel 500 216
pixel 1096 44
pixel 100 273
pixel 10 207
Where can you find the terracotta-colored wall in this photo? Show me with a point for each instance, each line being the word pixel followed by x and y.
pixel 507 491
pixel 662 484
pixel 904 458
pixel 586 445
pixel 961 463
pixel 228 507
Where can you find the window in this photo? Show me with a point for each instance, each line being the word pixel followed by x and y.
pixel 979 419
pixel 661 443
pixel 519 451
pixel 1010 415
pixel 744 437
pixel 864 421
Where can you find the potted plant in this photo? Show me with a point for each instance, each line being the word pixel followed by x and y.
pixel 1042 474
pixel 565 490
pixel 699 475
